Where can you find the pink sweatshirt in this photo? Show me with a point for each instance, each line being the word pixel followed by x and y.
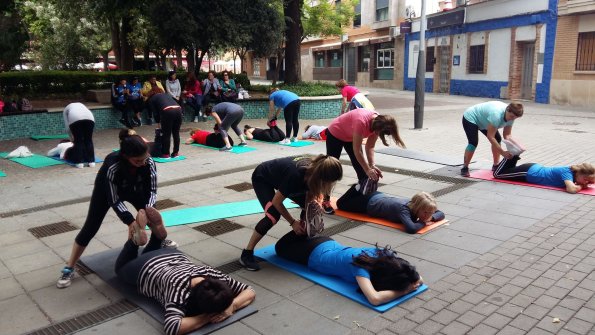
pixel 356 121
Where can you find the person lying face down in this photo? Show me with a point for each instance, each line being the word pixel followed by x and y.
pixel 272 134
pixel 414 213
pixel 572 178
pixel 315 132
pixel 379 273
pixel 192 295
pixel 211 139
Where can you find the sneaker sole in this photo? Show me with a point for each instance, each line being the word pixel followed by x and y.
pixel 139 236
pixel 155 222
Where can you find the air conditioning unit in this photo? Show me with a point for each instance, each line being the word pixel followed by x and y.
pixel 394 32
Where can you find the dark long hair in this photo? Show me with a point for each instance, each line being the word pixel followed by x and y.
pixel 131 144
pixel 322 172
pixel 209 296
pixel 386 125
pixel 387 271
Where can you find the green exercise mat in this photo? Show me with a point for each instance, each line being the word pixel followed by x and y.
pixel 50 137
pixel 235 149
pixel 295 144
pixel 178 217
pixel 2 174
pixel 35 161
pixel 169 160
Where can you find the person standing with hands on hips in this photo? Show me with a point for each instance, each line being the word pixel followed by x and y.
pixel 487 118
pixel 290 103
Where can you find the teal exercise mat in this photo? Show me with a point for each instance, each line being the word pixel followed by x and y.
pixel 169 160
pixel 35 161
pixel 50 137
pixel 97 160
pixel 335 284
pixel 103 264
pixel 2 174
pixel 183 216
pixel 295 144
pixel 235 149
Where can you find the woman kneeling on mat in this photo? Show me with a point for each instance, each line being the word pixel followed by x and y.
pixel 211 139
pixel 273 134
pixel 414 213
pixel 301 179
pixel 573 178
pixel 379 273
pixel 192 295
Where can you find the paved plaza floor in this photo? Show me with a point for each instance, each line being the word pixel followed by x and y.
pixel 512 259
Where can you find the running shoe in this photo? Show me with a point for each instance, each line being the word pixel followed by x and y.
pixel 327 207
pixel 139 235
pixel 169 244
pixel 465 171
pixel 242 144
pixel 285 141
pixel 154 221
pixel 66 277
pixel 248 261
pixel 225 149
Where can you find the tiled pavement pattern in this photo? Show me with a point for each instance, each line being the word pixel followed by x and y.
pixel 511 259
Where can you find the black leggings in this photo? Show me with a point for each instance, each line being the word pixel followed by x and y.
pixel 354 201
pixel 334 146
pixel 507 169
pixel 171 121
pixel 265 193
pixel 297 248
pixel 471 132
pixel 216 141
pixel 98 208
pixel 291 113
pixel 273 134
pixel 129 264
pixel 82 150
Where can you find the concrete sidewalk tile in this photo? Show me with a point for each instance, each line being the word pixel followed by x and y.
pixel 581 293
pixel 264 297
pixel 546 301
pixel 27 317
pixel 522 300
pixel 510 289
pixel 463 287
pixel 473 297
pixel 429 327
pixel 329 304
pixel 557 292
pixel 484 229
pixel 130 323
pixel 586 314
pixel 524 322
pixel 10 288
pixel 502 219
pixel 375 325
pixel 485 308
pixel 276 280
pixel 579 326
pixel 40 278
pixel 437 253
pixel 450 296
pixel 471 318
pixel 402 326
pixel 212 251
pixel 498 299
pixel 32 262
pixel 498 280
pixel 435 305
pixel 462 240
pixel 483 329
pixel 445 317
pixel 571 302
pixel 510 310
pixel 543 282
pixel 497 321
pixel 286 317
pixel 420 315
pixel 456 328
pixel 375 234
pixel 509 330
pixel 11 238
pixel 21 249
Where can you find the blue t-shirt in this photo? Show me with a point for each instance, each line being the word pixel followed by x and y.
pixel 484 114
pixel 134 90
pixel 283 98
pixel 334 259
pixel 549 176
pixel 120 92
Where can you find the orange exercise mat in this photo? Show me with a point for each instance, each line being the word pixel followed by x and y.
pixel 383 222
pixel 488 175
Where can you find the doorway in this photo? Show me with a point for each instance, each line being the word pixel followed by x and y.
pixel 527 71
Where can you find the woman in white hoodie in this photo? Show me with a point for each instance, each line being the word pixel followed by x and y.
pixel 80 123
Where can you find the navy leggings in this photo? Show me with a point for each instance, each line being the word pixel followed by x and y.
pixel 471 130
pixel 82 150
pixel 297 248
pixel 291 113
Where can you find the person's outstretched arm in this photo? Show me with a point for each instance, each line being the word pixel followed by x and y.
pixel 507 135
pixel 242 300
pixel 495 145
pixel 571 187
pixel 381 297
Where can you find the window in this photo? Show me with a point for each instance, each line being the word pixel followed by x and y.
pixel 336 58
pixel 476 55
pixel 319 59
pixel 384 58
pixel 430 60
pixel 585 52
pixel 364 58
pixel 256 67
pixel 357 18
pixel 381 10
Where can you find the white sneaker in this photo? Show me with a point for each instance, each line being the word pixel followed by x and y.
pixel 293 139
pixel 79 165
pixel 512 148
pixel 92 164
pixel 169 244
pixel 285 141
pixel 196 119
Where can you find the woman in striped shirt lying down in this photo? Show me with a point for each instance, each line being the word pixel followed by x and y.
pixel 192 295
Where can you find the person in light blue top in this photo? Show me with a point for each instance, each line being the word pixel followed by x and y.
pixel 379 273
pixel 572 178
pixel 487 118
pixel 290 103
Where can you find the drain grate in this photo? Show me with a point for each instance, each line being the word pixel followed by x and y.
pixel 240 187
pixel 230 267
pixel 166 203
pixel 341 227
pixel 88 320
pixel 218 227
pixel 52 229
pixel 82 269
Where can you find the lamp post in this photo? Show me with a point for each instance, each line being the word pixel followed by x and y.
pixel 420 76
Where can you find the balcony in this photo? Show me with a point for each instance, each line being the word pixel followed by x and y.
pixel 576 7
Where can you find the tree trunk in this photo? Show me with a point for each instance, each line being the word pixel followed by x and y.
pixel 179 58
pixel 190 57
pixel 115 35
pixel 105 55
pixel 147 57
pixel 292 10
pixel 164 59
pixel 127 48
pixel 200 58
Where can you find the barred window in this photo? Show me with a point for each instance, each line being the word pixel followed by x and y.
pixel 585 53
pixel 381 10
pixel 476 55
pixel 430 60
pixel 319 59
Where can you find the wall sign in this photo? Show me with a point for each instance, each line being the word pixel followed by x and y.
pixel 456 60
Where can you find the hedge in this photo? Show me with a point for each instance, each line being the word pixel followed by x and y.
pixel 304 89
pixel 36 84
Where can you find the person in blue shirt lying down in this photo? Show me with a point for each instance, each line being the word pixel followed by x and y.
pixel 414 213
pixel 379 273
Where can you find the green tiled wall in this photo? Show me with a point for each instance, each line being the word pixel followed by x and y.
pixel 52 123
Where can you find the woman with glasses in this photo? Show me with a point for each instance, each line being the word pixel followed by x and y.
pixel 229 90
pixel 126 175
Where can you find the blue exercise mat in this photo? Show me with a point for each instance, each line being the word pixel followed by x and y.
pixel 335 284
pixel 103 264
pixel 183 216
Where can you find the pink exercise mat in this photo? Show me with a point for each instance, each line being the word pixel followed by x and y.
pixel 487 175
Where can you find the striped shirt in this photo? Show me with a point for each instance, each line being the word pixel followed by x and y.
pixel 167 279
pixel 125 181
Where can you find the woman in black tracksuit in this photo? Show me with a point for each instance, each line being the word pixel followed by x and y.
pixel 168 116
pixel 126 175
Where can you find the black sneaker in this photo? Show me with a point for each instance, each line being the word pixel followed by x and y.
pixel 494 167
pixel 242 144
pixel 226 149
pixel 327 207
pixel 465 171
pixel 247 260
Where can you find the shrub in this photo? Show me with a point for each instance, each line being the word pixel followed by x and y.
pixel 304 89
pixel 35 84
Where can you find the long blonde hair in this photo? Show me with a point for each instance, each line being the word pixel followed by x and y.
pixel 387 125
pixel 322 173
pixel 585 169
pixel 421 201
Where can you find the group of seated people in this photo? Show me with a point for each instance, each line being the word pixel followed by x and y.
pixel 130 97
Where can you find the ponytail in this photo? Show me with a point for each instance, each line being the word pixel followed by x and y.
pixel 131 144
pixel 386 125
pixel 321 175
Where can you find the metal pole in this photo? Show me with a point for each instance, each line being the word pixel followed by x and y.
pixel 420 76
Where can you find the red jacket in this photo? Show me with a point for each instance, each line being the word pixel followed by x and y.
pixel 193 88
